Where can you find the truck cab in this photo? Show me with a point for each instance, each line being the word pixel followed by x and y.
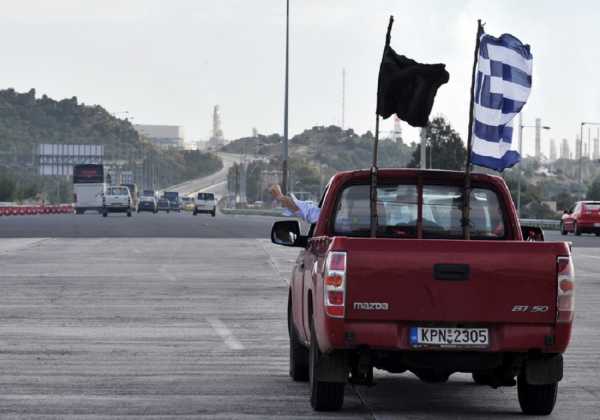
pixel 419 297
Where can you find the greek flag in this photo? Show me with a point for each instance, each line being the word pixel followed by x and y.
pixel 502 87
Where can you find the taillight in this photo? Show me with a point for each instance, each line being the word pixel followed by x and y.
pixel 335 284
pixel 565 300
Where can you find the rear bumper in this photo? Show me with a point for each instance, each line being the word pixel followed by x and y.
pixel 116 209
pixel 336 334
pixel 204 209
pixel 146 207
pixel 589 226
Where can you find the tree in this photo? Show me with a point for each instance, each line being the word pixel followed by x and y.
pixel 593 192
pixel 7 188
pixel 445 150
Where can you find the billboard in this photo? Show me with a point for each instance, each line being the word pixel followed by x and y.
pixel 59 159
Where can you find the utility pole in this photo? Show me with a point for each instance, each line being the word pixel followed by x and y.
pixel 423 151
pixel 343 98
pixel 284 149
pixel 520 168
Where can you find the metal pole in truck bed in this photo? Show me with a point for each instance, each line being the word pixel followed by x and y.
pixel 373 190
pixel 466 223
pixel 373 187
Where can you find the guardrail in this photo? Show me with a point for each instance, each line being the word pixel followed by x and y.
pixel 35 209
pixel 549 224
pixel 252 212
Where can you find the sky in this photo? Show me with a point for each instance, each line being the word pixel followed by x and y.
pixel 170 62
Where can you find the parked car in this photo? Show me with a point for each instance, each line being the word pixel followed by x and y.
pixel 205 203
pixel 187 203
pixel 148 201
pixel 117 199
pixel 163 204
pixel 419 297
pixel 584 217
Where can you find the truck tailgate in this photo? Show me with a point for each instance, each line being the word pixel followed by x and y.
pixel 451 280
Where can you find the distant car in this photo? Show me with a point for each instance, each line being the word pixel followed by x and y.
pixel 116 199
pixel 583 218
pixel 187 203
pixel 163 204
pixel 205 203
pixel 148 202
pixel 174 200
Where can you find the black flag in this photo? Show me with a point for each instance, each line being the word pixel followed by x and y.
pixel 407 88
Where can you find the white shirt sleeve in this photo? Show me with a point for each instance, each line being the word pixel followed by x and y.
pixel 309 211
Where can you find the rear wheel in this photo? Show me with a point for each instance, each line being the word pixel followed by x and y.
pixel 576 229
pixel 481 378
pixel 129 213
pixel 563 229
pixel 536 399
pixel 213 213
pixel 104 214
pixel 324 396
pixel 298 354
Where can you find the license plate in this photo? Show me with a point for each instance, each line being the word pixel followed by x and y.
pixel 449 337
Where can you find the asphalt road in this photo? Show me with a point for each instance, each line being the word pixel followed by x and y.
pixel 99 325
pixel 139 225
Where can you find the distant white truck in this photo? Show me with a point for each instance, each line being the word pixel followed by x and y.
pixel 205 203
pixel 88 186
pixel 117 199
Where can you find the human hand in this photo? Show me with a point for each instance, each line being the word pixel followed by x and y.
pixel 275 190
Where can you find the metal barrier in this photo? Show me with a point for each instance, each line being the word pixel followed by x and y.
pixel 549 224
pixel 35 210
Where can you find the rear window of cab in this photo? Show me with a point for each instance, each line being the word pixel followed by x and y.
pixel 397 208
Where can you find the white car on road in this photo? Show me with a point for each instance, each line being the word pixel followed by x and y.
pixel 117 200
pixel 205 203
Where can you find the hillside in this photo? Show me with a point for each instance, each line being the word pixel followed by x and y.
pixel 26 121
pixel 332 146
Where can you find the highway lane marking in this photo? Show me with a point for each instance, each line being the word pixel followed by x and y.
pixel 588 256
pixel 225 334
pixel 167 273
pixel 272 262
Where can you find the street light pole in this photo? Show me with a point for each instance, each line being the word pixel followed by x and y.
pixel 521 127
pixel 284 150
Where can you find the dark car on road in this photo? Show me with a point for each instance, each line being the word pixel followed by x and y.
pixel 147 202
pixel 163 204
pixel 174 200
pixel 583 218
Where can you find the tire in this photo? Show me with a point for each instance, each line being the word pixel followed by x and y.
pixel 129 213
pixel 576 229
pixel 536 399
pixel 298 353
pixel 167 211
pixel 195 213
pixel 104 214
pixel 597 233
pixel 563 229
pixel 213 213
pixel 324 396
pixel 481 378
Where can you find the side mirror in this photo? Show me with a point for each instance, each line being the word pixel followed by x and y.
pixel 532 233
pixel 287 233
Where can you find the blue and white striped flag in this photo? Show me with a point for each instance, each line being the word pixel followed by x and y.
pixel 502 87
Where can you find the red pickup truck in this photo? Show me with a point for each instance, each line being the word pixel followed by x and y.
pixel 420 298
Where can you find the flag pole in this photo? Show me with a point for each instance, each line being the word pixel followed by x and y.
pixel 467 190
pixel 373 189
